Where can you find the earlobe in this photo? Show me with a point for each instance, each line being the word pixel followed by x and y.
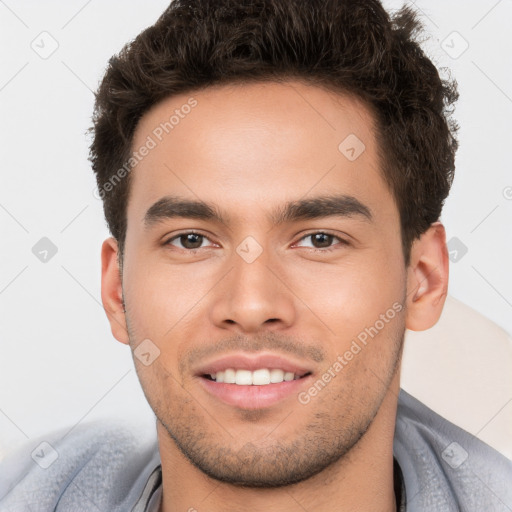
pixel 427 280
pixel 111 290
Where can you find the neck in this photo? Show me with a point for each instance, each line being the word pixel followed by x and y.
pixel 362 480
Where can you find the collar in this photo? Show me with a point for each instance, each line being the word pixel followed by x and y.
pixel 155 481
pixel 399 487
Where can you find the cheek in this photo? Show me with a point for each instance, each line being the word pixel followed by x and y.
pixel 351 295
pixel 162 297
pixel 161 385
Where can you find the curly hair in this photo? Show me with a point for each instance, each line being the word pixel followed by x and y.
pixel 351 47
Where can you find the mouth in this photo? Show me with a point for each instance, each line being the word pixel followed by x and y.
pixel 250 396
pixel 259 377
pixel 253 382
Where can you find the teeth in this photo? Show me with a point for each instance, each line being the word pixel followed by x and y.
pixel 243 377
pixel 276 376
pixel 229 376
pixel 260 377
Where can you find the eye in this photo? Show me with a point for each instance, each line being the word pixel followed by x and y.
pixel 321 241
pixel 189 241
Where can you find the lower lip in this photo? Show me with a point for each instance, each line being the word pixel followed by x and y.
pixel 253 397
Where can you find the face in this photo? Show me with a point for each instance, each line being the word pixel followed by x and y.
pixel 296 266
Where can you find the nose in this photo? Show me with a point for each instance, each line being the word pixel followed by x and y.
pixel 253 296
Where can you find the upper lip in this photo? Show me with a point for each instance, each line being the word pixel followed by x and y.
pixel 244 361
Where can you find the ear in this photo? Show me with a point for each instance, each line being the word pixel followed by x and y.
pixel 427 279
pixel 112 291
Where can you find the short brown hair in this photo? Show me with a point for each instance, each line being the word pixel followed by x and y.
pixel 352 47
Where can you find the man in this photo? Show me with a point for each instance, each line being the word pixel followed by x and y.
pixel 273 174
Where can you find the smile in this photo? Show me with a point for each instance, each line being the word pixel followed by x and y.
pixel 244 393
pixel 260 377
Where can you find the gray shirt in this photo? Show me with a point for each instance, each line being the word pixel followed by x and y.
pixel 106 466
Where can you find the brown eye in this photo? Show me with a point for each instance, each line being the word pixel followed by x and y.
pixel 188 241
pixel 322 241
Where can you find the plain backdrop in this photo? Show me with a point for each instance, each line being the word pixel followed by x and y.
pixel 59 364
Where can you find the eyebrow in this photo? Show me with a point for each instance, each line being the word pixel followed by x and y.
pixel 169 207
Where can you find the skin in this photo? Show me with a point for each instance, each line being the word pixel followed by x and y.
pixel 249 149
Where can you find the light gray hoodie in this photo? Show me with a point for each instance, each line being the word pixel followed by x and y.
pixel 105 466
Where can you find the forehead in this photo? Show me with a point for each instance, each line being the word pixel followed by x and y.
pixel 258 144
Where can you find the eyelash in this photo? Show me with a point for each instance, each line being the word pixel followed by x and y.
pixel 312 249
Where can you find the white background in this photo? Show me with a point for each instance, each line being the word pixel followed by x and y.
pixel 59 364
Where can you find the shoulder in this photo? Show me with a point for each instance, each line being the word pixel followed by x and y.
pixel 446 468
pixel 101 465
